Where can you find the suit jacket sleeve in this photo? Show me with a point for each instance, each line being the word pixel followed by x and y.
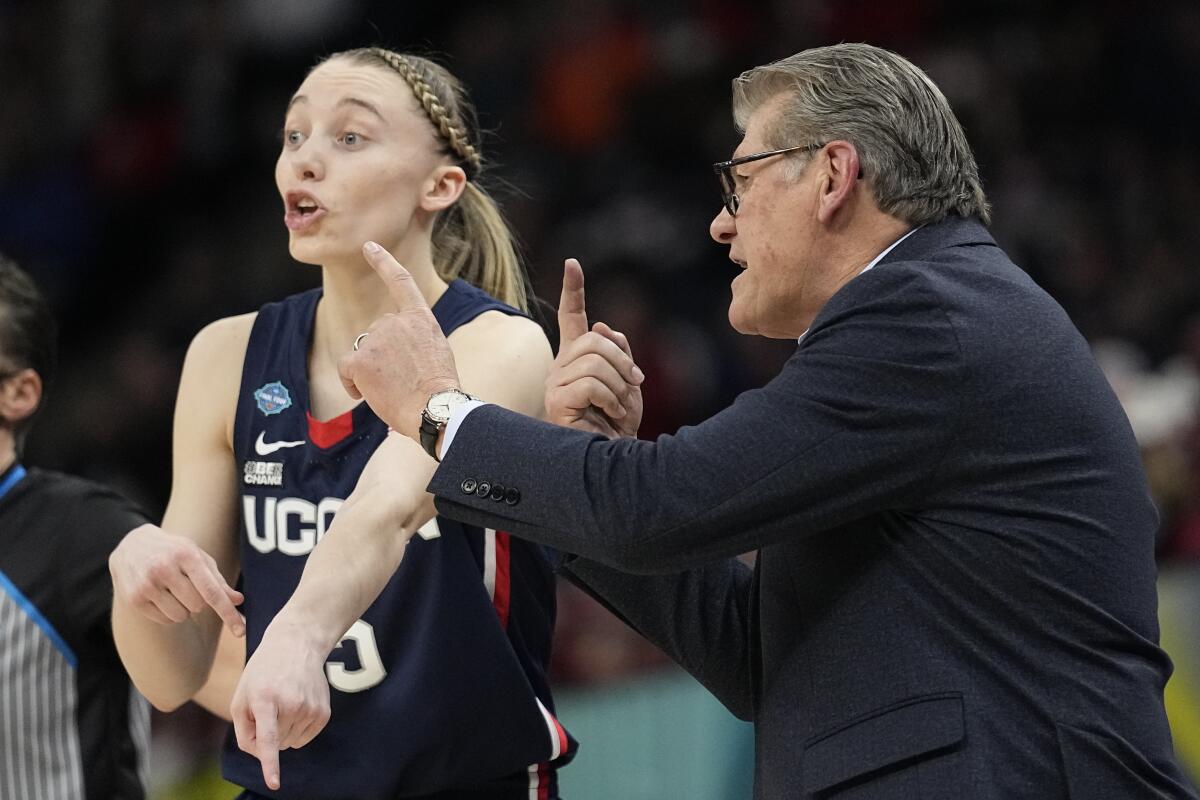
pixel 856 422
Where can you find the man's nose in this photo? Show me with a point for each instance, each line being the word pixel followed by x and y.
pixel 723 227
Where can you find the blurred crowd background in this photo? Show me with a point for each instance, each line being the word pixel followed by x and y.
pixel 137 147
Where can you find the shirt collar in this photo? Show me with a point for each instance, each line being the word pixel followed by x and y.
pixel 874 261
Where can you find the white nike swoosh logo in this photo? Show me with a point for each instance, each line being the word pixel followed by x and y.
pixel 263 448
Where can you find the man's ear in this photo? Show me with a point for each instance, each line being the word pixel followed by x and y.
pixel 442 188
pixel 842 174
pixel 20 395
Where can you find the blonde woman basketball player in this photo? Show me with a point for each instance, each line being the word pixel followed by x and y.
pixel 439 689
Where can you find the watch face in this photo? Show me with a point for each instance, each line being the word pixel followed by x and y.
pixel 442 403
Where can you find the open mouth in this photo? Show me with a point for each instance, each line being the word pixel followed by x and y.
pixel 302 210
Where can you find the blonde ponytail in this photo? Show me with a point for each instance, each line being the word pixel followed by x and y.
pixel 472 241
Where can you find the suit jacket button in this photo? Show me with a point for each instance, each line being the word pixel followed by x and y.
pixel 512 496
pixel 497 492
pixel 468 486
pixel 482 489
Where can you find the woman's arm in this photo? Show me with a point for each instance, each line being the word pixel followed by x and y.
pixel 283 698
pixel 171 590
pixel 216 695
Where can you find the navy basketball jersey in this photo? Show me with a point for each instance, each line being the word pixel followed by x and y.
pixel 440 688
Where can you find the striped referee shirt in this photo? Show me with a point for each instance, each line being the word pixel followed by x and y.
pixel 71 724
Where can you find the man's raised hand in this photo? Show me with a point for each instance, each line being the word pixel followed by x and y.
pixel 594 384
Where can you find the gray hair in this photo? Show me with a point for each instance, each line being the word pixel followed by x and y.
pixel 912 150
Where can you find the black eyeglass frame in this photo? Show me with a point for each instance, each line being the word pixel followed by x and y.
pixel 725 177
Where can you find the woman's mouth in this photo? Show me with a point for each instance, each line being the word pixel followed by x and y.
pixel 302 211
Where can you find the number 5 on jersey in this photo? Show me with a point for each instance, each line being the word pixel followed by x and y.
pixel 370 670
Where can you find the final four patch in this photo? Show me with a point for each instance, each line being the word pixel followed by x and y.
pixel 273 398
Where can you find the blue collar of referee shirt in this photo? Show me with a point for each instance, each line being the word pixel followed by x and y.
pixel 10 478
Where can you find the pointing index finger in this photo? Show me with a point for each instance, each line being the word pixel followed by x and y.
pixel 266 743
pixel 572 312
pixel 400 283
pixel 211 586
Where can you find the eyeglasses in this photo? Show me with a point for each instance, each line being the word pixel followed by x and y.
pixel 724 170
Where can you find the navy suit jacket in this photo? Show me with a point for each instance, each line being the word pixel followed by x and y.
pixel 954 595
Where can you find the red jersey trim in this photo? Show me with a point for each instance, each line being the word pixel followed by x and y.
pixel 328 433
pixel 503 591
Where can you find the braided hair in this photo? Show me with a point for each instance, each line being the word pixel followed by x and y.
pixel 471 239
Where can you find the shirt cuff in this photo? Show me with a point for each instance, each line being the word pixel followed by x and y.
pixel 459 413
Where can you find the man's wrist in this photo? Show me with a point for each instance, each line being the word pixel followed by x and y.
pixel 427 390
pixel 450 429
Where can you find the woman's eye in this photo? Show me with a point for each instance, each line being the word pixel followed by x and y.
pixel 293 138
pixel 351 139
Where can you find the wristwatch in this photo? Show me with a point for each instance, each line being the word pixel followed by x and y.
pixel 436 414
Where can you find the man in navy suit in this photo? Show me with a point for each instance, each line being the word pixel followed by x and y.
pixel 954 595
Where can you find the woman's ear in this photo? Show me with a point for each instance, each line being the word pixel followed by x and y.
pixel 442 188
